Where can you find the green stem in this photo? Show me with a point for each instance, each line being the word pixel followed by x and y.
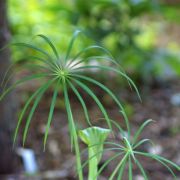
pixel 73 133
pixel 93 165
pixel 118 166
pixel 77 151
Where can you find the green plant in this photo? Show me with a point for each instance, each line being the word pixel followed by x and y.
pixel 63 72
pixel 128 152
pixel 94 137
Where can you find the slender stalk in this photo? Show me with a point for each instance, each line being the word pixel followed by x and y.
pixel 118 166
pixel 77 150
pixel 73 133
pixel 93 164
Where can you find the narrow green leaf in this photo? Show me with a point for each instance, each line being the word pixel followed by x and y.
pixel 50 44
pixel 73 132
pixel 36 49
pixel 142 142
pixel 119 128
pixel 165 165
pixel 130 168
pixel 32 47
pixel 6 73
pixel 69 113
pixel 36 102
pixel 107 90
pixel 103 87
pixel 72 64
pixel 159 158
pixel 51 112
pixel 129 147
pixel 111 69
pixel 121 170
pixel 101 107
pixel 107 162
pixel 31 67
pixel 102 151
pixel 127 124
pixel 109 58
pixel 49 64
pixel 98 48
pixel 76 33
pixel 105 143
pixel 5 84
pixel 167 161
pixel 141 169
pixel 45 86
pixel 118 166
pixel 34 67
pixel 122 132
pixel 81 101
pixel 139 131
pixel 115 144
pixel 25 79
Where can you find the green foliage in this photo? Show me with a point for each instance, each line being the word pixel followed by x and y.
pixel 62 73
pixel 128 150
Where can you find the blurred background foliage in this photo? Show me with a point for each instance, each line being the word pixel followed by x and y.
pixel 141 34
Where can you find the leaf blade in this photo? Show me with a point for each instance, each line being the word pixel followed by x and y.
pixel 50 116
pixel 101 107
